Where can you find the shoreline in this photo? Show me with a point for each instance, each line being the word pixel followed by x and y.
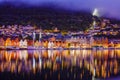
pixel 59 48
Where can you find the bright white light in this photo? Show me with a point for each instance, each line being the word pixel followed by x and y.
pixel 95 12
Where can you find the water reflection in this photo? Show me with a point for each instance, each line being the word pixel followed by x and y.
pixel 60 64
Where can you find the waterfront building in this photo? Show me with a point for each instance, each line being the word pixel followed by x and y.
pixel 23 43
pixel 8 42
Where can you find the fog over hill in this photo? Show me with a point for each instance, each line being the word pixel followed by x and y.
pixel 46 16
pixel 9 8
pixel 106 8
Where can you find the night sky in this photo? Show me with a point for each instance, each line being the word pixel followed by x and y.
pixel 108 8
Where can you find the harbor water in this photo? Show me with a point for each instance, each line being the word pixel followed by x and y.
pixel 59 64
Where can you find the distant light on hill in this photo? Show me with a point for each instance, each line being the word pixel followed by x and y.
pixel 95 12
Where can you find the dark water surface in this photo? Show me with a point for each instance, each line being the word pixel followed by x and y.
pixel 60 65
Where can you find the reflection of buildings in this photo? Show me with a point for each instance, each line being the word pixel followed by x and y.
pixel 101 63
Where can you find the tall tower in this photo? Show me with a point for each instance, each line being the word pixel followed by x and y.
pixel 95 14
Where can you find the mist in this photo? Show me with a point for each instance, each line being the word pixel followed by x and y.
pixel 106 8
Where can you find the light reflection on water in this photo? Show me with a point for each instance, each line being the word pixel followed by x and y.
pixel 61 64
